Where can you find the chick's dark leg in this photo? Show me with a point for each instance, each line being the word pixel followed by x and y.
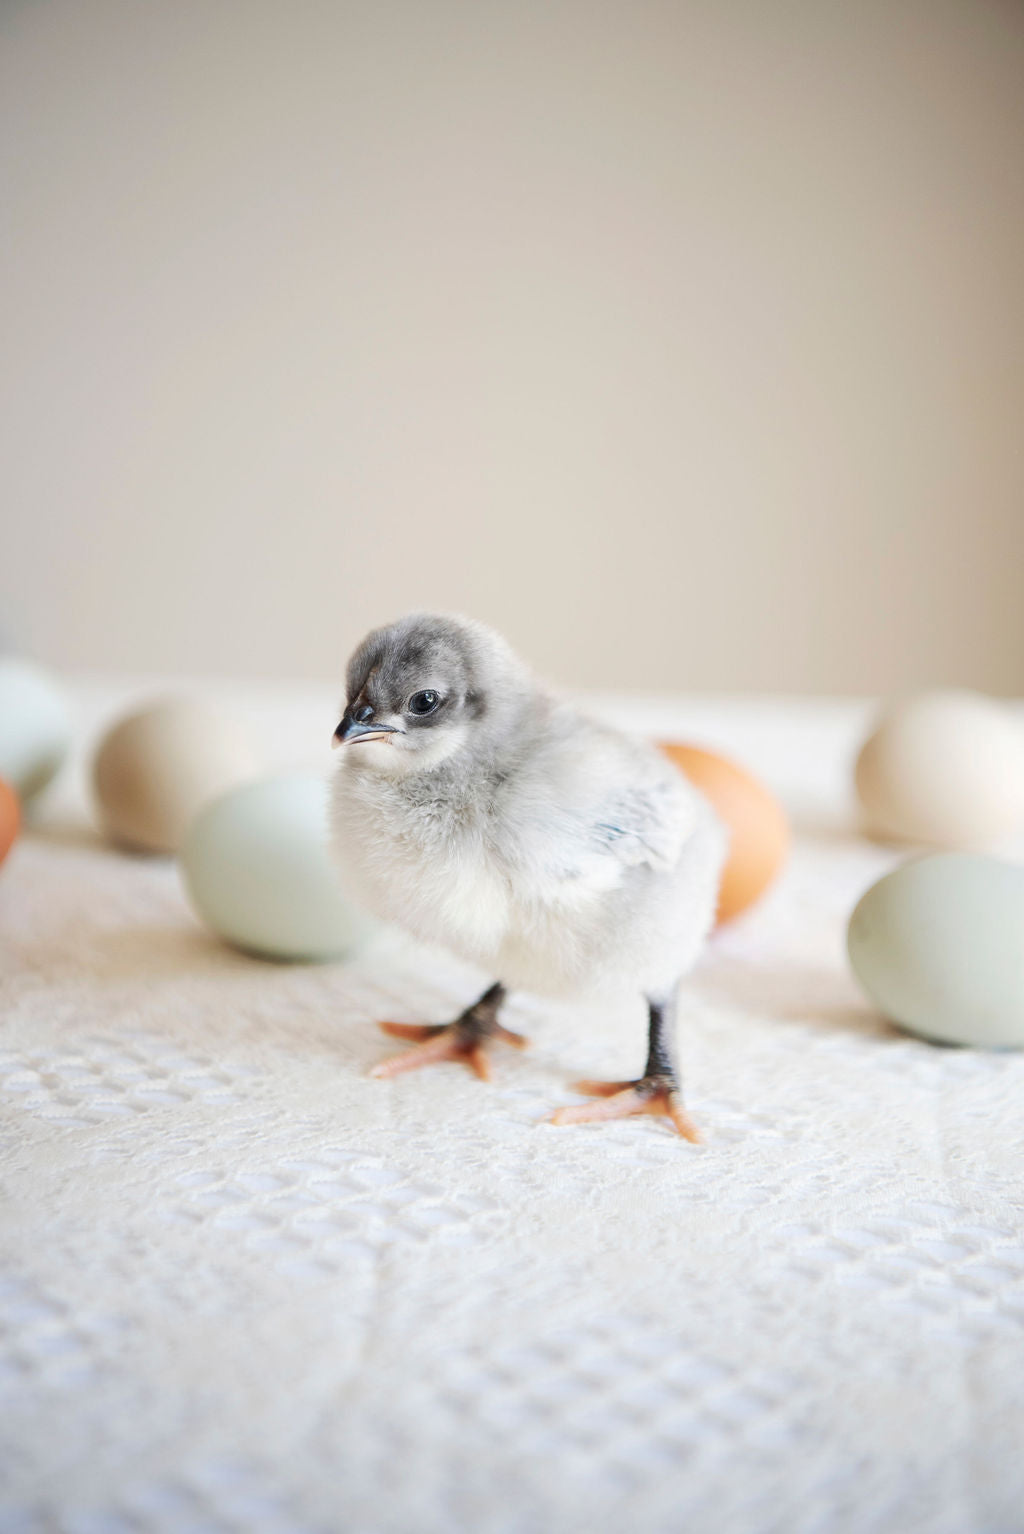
pixel 466 1039
pixel 656 1091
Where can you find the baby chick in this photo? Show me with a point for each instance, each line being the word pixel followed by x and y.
pixel 478 811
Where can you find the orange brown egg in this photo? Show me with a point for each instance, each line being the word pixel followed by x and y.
pixel 10 817
pixel 756 822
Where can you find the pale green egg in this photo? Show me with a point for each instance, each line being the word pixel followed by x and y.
pixel 257 870
pixel 35 731
pixel 938 945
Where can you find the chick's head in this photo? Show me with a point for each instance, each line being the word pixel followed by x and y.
pixel 423 689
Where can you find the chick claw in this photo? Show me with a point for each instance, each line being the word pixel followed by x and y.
pixel 465 1040
pixel 622 1099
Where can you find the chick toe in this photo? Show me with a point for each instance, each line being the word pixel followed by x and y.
pixel 624 1099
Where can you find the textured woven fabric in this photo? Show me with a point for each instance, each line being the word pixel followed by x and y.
pixel 243 1287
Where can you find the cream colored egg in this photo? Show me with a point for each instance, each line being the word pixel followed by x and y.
pixel 945 769
pixel 157 768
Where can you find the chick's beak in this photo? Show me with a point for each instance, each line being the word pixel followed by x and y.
pixel 351 729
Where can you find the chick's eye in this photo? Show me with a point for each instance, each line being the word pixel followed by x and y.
pixel 423 702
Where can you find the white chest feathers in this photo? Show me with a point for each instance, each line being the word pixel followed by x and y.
pixel 430 871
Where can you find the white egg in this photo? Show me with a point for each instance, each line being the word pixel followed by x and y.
pixel 938 945
pixel 35 730
pixel 156 768
pixel 945 769
pixel 257 870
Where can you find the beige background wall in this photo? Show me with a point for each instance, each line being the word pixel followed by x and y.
pixel 684 342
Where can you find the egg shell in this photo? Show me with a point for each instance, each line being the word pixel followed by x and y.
pixel 257 870
pixel 944 769
pixel 756 822
pixel 156 768
pixel 938 945
pixel 10 818
pixel 35 728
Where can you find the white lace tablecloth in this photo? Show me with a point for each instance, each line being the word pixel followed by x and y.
pixel 243 1287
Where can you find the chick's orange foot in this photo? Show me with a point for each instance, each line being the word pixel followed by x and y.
pixel 623 1099
pixel 656 1091
pixel 465 1039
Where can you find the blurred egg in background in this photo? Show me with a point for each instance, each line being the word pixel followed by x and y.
pixel 10 818
pixel 257 871
pixel 156 768
pixel 755 820
pixel 938 946
pixel 945 769
pixel 35 727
